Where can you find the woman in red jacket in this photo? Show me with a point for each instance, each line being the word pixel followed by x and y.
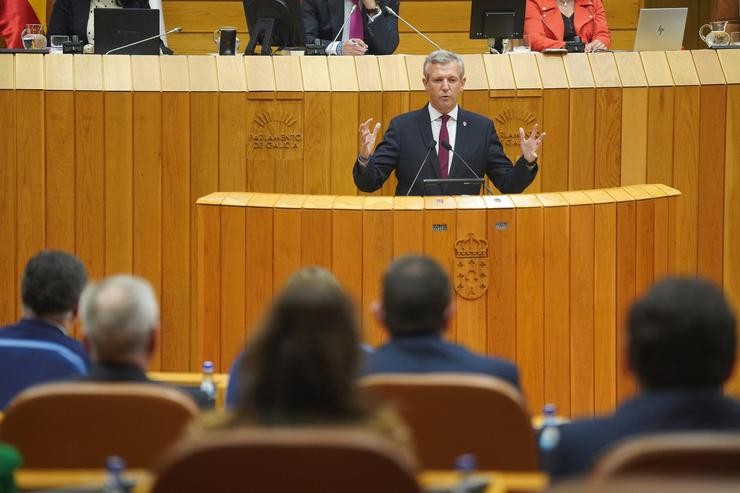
pixel 550 23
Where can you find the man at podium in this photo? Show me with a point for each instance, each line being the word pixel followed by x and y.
pixel 442 149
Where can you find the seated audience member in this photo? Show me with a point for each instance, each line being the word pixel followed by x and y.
pixel 235 376
pixel 120 318
pixel 371 29
pixel 302 366
pixel 682 347
pixel 75 17
pixel 416 309
pixel 550 23
pixel 50 290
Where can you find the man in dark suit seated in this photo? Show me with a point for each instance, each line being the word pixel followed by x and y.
pixel 440 141
pixel 416 308
pixel 38 347
pixel 682 348
pixel 370 29
pixel 120 319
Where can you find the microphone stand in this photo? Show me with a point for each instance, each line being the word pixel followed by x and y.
pixel 447 146
pixel 171 31
pixel 390 11
pixel 426 156
pixel 344 24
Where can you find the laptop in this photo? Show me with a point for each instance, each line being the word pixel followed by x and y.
pixel 118 27
pixel 660 29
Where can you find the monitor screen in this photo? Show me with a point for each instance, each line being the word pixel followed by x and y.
pixel 497 19
pixel 116 28
pixel 277 23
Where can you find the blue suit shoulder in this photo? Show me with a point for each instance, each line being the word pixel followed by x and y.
pixel 496 367
pixel 408 118
pixel 582 442
pixel 475 118
pixel 427 354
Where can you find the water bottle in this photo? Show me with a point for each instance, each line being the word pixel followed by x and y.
pixel 549 437
pixel 114 467
pixel 465 465
pixel 207 385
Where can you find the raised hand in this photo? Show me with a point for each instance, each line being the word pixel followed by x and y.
pixel 530 144
pixel 368 138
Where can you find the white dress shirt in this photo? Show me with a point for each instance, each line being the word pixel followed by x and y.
pixel 332 48
pixel 436 118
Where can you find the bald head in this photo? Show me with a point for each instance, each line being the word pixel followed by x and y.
pixel 119 316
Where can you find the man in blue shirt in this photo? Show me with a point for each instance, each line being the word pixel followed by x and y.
pixel 51 287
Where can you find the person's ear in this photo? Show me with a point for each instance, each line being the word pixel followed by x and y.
pixel 629 363
pixel 152 345
pixel 448 315
pixel 378 312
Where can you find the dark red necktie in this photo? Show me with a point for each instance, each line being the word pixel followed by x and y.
pixel 443 154
pixel 356 29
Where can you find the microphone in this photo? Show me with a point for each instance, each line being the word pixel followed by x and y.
pixel 390 11
pixel 426 156
pixel 344 24
pixel 171 31
pixel 447 146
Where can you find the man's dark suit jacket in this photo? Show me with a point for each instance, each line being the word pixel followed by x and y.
pixel 430 353
pixel 582 442
pixel 70 16
pixel 123 372
pixel 407 140
pixel 322 20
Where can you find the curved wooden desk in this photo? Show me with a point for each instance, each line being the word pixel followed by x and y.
pixel 541 279
pixel 106 156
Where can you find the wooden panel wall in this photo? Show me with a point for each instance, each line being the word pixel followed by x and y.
pixel 106 156
pixel 552 255
pixel 447 22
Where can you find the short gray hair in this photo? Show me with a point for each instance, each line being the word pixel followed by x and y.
pixel 443 57
pixel 118 315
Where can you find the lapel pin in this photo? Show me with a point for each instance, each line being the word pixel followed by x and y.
pixel 465 124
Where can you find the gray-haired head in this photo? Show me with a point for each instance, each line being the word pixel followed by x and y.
pixel 443 57
pixel 118 316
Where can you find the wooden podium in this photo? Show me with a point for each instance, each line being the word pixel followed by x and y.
pixel 542 279
pixel 106 156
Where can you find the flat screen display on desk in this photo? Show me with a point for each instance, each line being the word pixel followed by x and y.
pixel 118 27
pixel 276 23
pixel 497 19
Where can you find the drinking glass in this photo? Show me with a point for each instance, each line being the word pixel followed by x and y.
pixel 56 41
pixel 33 37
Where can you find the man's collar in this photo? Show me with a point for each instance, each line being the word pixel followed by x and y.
pixel 434 114
pixel 42 322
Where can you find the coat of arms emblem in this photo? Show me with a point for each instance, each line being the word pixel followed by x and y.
pixel 471 267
